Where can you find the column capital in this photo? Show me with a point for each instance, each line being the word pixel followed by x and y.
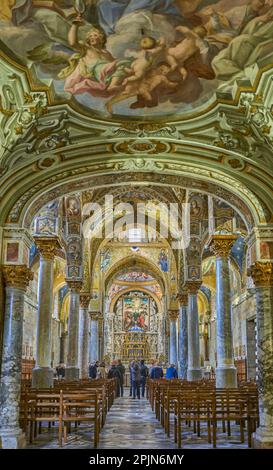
pixel 47 246
pixel 84 299
pixel 221 244
pixel 262 273
pixel 94 315
pixel 173 314
pixel 17 275
pixel 74 285
pixel 183 298
pixel 192 286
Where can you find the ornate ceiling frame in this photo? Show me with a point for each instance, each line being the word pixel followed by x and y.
pixel 58 149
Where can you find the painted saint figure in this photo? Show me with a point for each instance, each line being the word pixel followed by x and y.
pixel 163 261
pixel 93 69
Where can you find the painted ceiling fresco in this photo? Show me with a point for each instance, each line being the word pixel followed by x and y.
pixel 139 57
pixel 136 276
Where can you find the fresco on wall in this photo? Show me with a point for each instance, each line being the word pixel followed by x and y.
pixel 238 252
pixel 12 252
pixel 135 276
pixel 163 261
pixel 139 57
pixel 136 311
pixel 105 260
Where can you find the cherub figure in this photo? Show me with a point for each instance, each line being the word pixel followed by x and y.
pixel 150 50
pixel 178 54
pixel 144 87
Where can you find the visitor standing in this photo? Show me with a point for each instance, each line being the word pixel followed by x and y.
pixel 131 381
pixel 136 379
pixel 60 369
pixel 114 373
pixel 93 368
pixel 171 372
pixel 144 372
pixel 101 372
pixel 156 372
pixel 121 369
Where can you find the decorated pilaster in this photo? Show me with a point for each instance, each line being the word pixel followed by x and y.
pixel 16 279
pixel 183 336
pixel 194 371
pixel 42 374
pixel 108 332
pixel 173 316
pixel 84 335
pixel 72 367
pixel 262 275
pixel 94 337
pixel 226 374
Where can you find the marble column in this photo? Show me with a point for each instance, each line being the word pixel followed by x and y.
pixel 84 335
pixel 94 337
pixel 72 366
pixel 16 279
pixel 173 316
pixel 262 274
pixel 42 374
pixel 226 373
pixel 194 371
pixel 109 334
pixel 183 336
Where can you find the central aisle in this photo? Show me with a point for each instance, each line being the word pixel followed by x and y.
pixel 131 424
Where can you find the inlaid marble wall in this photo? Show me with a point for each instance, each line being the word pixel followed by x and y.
pixel 2 303
pixel 30 320
pixel 243 308
pixel 55 342
pixel 30 326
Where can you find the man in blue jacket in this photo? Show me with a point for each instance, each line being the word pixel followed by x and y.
pixel 171 372
pixel 156 372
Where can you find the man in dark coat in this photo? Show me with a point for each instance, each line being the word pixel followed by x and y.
pixel 121 368
pixel 144 372
pixel 114 373
pixel 60 369
pixel 156 372
pixel 93 370
pixel 136 379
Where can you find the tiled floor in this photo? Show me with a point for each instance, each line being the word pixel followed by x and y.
pixel 131 424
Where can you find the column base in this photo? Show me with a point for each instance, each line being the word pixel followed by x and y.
pixel 72 373
pixel 42 377
pixel 12 439
pixel 205 374
pixel 226 377
pixel 194 374
pixel 183 374
pixel 263 438
pixel 84 375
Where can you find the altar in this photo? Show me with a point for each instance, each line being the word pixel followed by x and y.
pixel 135 346
pixel 136 328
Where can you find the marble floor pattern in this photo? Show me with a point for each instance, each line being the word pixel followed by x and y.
pixel 131 424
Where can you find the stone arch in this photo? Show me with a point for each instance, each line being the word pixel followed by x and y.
pixel 138 289
pixel 143 262
pixel 30 198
